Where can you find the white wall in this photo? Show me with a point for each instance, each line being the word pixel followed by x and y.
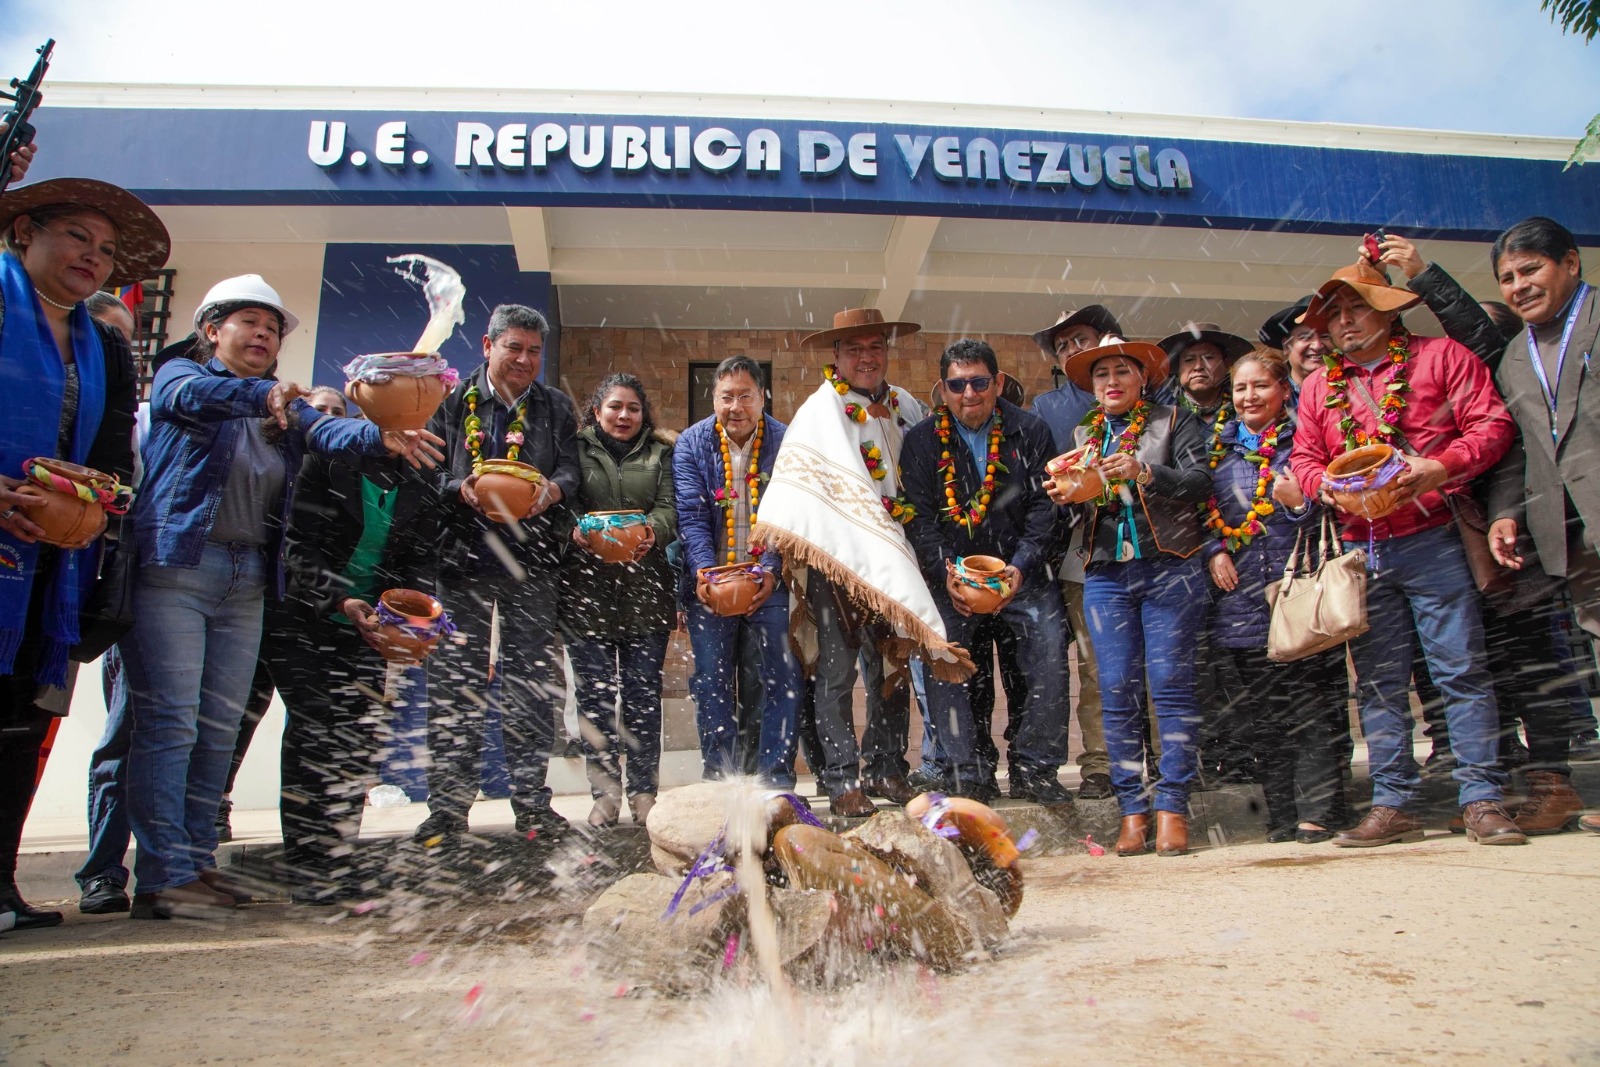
pixel 294 270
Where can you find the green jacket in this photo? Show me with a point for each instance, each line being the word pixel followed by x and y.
pixel 620 599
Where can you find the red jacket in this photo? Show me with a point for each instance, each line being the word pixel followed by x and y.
pixel 1453 414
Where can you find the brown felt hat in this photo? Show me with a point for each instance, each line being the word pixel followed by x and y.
pixel 1079 367
pixel 856 321
pixel 1096 315
pixel 142 240
pixel 1370 285
pixel 1232 345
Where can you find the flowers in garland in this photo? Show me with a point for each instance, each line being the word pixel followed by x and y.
pixel 727 494
pixel 472 427
pixel 1236 537
pixel 859 412
pixel 968 515
pixel 1224 413
pixel 1127 444
pixel 872 456
pixel 1390 404
pixel 899 508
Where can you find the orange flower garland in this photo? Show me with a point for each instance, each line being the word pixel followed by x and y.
pixel 1127 444
pixel 1236 537
pixel 752 480
pixel 970 515
pixel 1390 405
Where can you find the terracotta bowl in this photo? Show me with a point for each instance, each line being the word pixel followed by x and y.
pixel 617 544
pixel 1077 481
pixel 418 609
pixel 65 518
pixel 401 403
pixel 1370 504
pixel 973 575
pixel 733 587
pixel 505 490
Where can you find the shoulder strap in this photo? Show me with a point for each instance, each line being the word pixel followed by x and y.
pixel 1366 398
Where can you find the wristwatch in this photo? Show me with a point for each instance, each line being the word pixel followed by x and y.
pixel 1143 477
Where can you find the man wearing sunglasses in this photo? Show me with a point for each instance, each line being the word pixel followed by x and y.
pixel 974 474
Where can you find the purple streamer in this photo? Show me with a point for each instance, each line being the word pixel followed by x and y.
pixel 440 627
pixel 1385 473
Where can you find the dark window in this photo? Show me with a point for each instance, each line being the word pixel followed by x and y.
pixel 702 380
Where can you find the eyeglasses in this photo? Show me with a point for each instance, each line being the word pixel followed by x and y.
pixel 957 386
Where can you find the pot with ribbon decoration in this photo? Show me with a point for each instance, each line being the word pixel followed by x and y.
pixel 68 502
pixel 1074 478
pixel 981 582
pixel 979 831
pixel 410 624
pixel 505 488
pixel 732 587
pixel 399 390
pixel 615 536
pixel 1363 481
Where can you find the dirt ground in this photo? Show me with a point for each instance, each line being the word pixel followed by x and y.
pixel 1440 952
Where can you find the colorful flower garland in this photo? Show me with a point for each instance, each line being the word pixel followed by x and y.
pixel 1224 413
pixel 1390 405
pixel 855 411
pixel 1236 537
pixel 752 480
pixel 1127 445
pixel 970 515
pixel 475 436
pixel 872 456
pixel 899 508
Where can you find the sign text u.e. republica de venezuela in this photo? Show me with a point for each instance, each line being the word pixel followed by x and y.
pixel 814 153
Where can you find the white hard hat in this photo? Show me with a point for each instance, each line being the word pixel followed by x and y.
pixel 245 289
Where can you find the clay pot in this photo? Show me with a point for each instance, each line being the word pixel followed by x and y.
pixel 733 587
pixel 617 544
pixel 65 518
pixel 402 402
pixel 418 609
pixel 972 573
pixel 504 491
pixel 1370 504
pixel 1077 481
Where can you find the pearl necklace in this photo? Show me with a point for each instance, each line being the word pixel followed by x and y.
pixel 52 303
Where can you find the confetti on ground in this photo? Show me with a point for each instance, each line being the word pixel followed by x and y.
pixel 474 993
pixel 417 959
pixel 1306 1014
pixel 731 951
pixel 1027 840
pixel 364 907
pixel 1094 849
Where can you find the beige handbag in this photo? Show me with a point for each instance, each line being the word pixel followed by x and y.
pixel 1318 611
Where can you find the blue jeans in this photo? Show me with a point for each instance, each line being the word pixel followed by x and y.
pixel 1038 620
pixel 108 798
pixel 1144 616
pixel 630 668
pixel 714 639
pixel 1423 579
pixel 190 658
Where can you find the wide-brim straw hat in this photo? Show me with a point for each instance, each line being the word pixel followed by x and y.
pixel 1232 345
pixel 854 321
pixel 143 243
pixel 1096 315
pixel 1369 283
pixel 1079 367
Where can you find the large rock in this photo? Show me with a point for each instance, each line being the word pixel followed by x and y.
pixel 684 821
pixel 939 868
pixel 626 936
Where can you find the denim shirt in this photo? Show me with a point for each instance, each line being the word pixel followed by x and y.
pixel 195 415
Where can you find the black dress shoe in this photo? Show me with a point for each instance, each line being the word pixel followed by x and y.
pixel 1095 787
pixel 1041 787
pixel 542 824
pixel 103 895
pixel 438 828
pixel 925 780
pixel 28 917
pixel 1285 834
pixel 1313 837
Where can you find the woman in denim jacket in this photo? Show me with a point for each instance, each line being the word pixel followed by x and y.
pixel 225 445
pixel 1255 510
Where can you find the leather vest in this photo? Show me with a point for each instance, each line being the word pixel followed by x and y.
pixel 1174 524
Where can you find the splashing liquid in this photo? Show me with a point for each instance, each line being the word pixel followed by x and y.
pixel 442 289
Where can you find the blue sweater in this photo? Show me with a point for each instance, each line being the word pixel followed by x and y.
pixel 1239 619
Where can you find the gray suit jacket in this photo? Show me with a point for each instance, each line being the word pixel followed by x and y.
pixel 1528 484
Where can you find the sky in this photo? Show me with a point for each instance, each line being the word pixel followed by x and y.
pixel 1494 66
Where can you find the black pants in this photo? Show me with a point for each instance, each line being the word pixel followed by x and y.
pixel 1226 746
pixel 255 709
pixel 1291 739
pixel 527 689
pixel 327 676
pixel 23 726
pixel 994 636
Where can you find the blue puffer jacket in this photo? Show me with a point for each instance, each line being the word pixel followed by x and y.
pixel 1239 618
pixel 195 417
pixel 696 476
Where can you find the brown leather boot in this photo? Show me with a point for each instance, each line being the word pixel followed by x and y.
pixel 218 882
pixel 1382 826
pixel 1552 807
pixel 1132 840
pixel 896 790
pixel 852 804
pixel 192 900
pixel 1489 824
pixel 1172 833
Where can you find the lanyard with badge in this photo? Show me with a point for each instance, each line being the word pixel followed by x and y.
pixel 1127 534
pixel 1561 355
